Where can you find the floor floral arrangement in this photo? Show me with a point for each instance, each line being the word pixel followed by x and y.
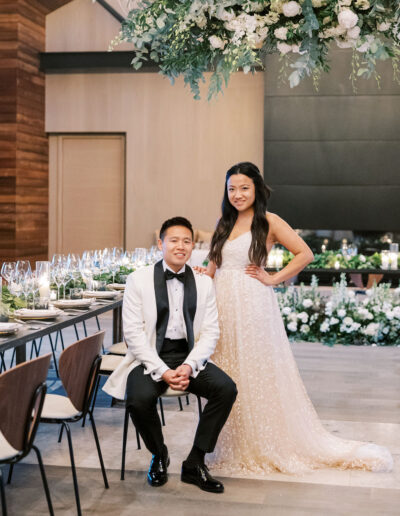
pixel 187 38
pixel 342 318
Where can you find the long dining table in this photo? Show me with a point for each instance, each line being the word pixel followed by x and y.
pixel 32 329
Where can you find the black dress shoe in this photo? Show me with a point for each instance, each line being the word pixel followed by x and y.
pixel 157 475
pixel 200 476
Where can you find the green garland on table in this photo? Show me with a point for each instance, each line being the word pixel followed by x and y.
pixel 327 260
pixel 11 301
pixel 342 318
pixel 188 38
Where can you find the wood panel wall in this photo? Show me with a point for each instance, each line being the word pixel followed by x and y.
pixel 23 143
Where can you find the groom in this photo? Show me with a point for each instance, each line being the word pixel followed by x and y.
pixel 171 329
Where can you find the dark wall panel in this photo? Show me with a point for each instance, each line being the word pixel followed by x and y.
pixel 317 207
pixel 333 156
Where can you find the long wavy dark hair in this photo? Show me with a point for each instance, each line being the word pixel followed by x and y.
pixel 259 226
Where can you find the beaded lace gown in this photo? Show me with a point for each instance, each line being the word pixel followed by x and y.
pixel 273 425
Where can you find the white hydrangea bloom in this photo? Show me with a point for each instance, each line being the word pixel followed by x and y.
pixel 307 303
pixel 341 312
pixel 216 42
pixel 304 328
pixel 291 9
pixel 281 33
pixel 286 310
pixel 347 18
pixel 303 316
pixel 283 48
pixel 383 26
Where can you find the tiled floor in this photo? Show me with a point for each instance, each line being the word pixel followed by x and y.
pixel 356 391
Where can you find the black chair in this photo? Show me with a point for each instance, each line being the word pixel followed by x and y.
pixel 22 394
pixel 78 366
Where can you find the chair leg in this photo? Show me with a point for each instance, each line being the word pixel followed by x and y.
pixel 98 323
pixel 61 433
pixel 187 399
pixel 3 495
pixel 74 477
pixel 199 404
pixel 44 480
pixel 96 438
pixel 54 355
pixel 76 332
pixel 10 472
pixel 62 340
pixel 180 403
pixel 12 358
pixel 124 439
pixel 162 411
pixel 84 328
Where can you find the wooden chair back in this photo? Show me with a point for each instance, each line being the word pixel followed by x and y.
pixel 76 368
pixel 22 391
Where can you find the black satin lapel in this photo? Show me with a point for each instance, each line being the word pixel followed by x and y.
pixel 189 304
pixel 161 292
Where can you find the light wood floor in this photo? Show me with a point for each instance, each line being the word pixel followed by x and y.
pixel 356 391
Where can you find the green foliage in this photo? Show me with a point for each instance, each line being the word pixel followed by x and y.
pixel 188 38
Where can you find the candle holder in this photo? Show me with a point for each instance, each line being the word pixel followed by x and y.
pixel 385 260
pixel 43 277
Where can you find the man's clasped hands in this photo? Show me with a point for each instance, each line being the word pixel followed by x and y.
pixel 178 379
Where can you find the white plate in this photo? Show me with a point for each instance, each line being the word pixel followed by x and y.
pixel 116 286
pixel 8 328
pixel 27 313
pixel 100 294
pixel 73 303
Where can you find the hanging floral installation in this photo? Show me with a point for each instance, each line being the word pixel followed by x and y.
pixel 190 38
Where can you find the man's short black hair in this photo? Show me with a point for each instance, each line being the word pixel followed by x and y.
pixel 175 221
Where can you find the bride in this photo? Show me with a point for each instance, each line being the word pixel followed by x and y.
pixel 273 424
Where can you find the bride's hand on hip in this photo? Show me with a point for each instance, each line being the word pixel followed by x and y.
pixel 261 275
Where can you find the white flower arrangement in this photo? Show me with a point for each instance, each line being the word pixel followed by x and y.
pixel 343 317
pixel 191 37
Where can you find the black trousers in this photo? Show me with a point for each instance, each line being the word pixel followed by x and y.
pixel 211 383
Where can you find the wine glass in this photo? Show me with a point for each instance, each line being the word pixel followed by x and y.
pixel 22 267
pixel 141 255
pixel 85 268
pixel 8 271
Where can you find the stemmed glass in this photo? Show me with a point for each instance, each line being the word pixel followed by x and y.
pixel 8 271
pixel 73 261
pixel 85 268
pixel 22 267
pixel 141 255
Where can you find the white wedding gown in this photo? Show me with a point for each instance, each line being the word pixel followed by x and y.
pixel 273 425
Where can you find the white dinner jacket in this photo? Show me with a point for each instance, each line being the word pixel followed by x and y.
pixel 139 314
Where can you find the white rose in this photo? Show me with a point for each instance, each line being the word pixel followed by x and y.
pixel 383 26
pixel 333 320
pixel 283 48
pixel 324 327
pixel 291 9
pixel 303 316
pixel 389 315
pixel 362 258
pixel 292 326
pixel 307 303
pixel 216 42
pixel 281 33
pixel 304 328
pixel 348 321
pixel 286 310
pixel 341 312
pixel 354 32
pixel 347 19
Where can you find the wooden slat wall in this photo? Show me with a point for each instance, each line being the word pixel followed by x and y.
pixel 23 142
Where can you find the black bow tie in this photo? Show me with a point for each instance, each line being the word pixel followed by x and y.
pixel 171 275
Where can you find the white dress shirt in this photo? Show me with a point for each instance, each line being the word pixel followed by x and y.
pixel 176 328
